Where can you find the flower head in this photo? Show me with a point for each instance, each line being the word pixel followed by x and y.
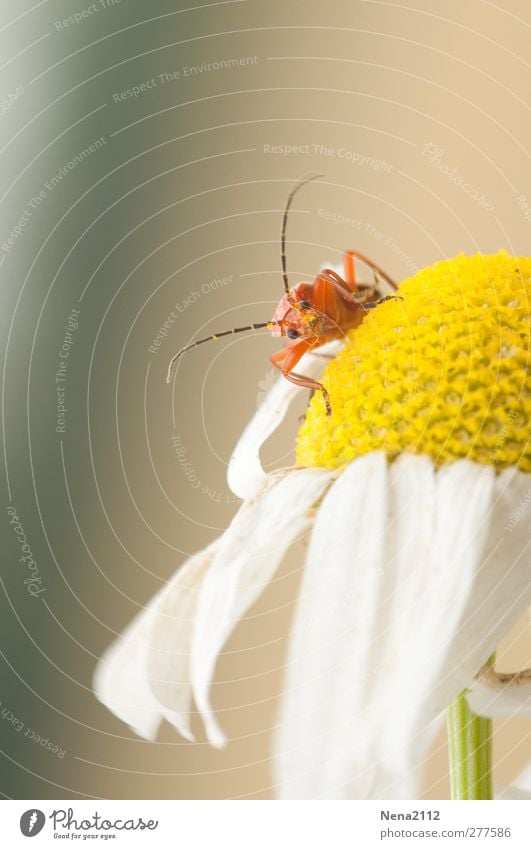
pixel 443 372
pixel 415 568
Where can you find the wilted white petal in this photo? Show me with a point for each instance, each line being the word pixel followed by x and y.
pixel 171 640
pixel 245 474
pixel 249 554
pixel 144 675
pixel 511 792
pixel 500 699
pixel 524 779
pixel 121 682
pixel 410 583
pixel 520 789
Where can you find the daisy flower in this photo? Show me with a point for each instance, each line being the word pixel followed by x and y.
pixel 414 494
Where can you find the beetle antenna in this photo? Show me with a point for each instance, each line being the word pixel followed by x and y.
pixel 211 339
pixel 285 221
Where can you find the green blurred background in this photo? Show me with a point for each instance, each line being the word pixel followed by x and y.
pixel 126 204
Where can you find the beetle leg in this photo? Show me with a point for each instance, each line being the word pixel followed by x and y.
pixel 362 293
pixel 308 383
pixel 326 288
pixel 350 270
pixel 371 304
pixel 287 358
pixel 349 259
pixel 390 298
pixel 334 278
pixel 278 356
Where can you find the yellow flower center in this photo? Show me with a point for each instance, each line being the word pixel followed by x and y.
pixel 442 372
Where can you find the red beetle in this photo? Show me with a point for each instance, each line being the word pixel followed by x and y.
pixel 311 314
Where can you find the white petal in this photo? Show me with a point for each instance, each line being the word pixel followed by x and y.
pixel 410 583
pixel 433 634
pixel 503 586
pixel 249 554
pixel 326 671
pixel 245 474
pixel 500 699
pixel 122 677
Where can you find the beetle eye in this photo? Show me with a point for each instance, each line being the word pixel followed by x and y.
pixel 292 333
pixel 305 305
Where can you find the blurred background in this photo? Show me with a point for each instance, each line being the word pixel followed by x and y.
pixel 147 151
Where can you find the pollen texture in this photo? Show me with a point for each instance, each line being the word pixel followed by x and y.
pixel 444 372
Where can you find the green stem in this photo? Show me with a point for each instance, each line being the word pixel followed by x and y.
pixel 470 751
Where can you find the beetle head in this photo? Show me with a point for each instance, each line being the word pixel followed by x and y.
pixel 294 316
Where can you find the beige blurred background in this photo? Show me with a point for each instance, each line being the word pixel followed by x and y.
pixel 134 186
